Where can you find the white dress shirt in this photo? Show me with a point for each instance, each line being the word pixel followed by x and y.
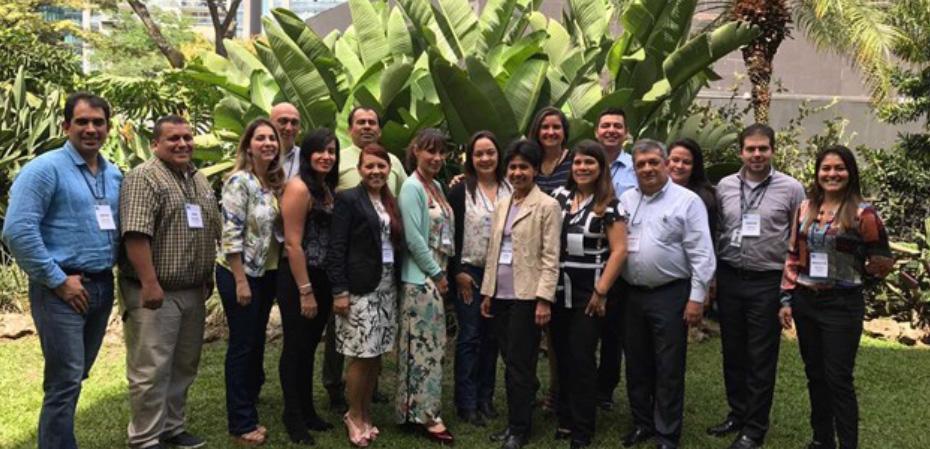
pixel 291 163
pixel 668 239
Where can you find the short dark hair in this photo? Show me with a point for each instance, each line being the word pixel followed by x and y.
pixel 538 119
pixel 363 108
pixel 527 149
pixel 426 138
pixel 610 111
pixel 170 118
pixel 92 100
pixel 757 129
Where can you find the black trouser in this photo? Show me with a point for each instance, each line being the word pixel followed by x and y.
pixel 301 337
pixel 748 303
pixel 655 345
pixel 518 337
pixel 829 327
pixel 333 363
pixel 574 339
pixel 611 354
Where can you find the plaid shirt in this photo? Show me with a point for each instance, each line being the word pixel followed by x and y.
pixel 153 201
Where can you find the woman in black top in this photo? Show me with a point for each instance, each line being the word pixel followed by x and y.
pixel 304 294
pixel 686 168
pixel 592 253
pixel 473 202
pixel 550 131
pixel 367 237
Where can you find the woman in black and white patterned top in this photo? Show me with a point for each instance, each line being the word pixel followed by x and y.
pixel 593 251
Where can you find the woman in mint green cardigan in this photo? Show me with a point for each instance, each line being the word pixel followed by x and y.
pixel 428 232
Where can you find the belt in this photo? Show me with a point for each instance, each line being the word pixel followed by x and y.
pixel 828 292
pixel 104 275
pixel 752 275
pixel 658 287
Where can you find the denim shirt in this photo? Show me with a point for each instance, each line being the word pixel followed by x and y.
pixel 622 175
pixel 51 222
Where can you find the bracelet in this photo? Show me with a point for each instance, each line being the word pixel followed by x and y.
pixel 305 289
pixel 602 295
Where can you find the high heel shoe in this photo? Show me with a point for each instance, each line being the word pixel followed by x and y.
pixel 443 436
pixel 357 437
pixel 372 432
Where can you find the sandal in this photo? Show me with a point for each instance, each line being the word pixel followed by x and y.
pixel 357 437
pixel 372 432
pixel 253 438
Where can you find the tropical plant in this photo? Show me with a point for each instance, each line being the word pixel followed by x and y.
pixel 861 30
pixel 905 293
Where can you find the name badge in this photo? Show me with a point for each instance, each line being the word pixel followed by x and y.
pixel 194 216
pixel 632 243
pixel 752 225
pixel 387 252
pixel 506 257
pixel 820 265
pixel 736 238
pixel 575 244
pixel 105 219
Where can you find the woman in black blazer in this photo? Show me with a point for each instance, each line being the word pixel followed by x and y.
pixel 365 244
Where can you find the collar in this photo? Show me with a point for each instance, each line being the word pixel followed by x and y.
pixel 79 160
pixel 293 153
pixel 650 198
pixel 742 171
pixel 191 169
pixel 623 160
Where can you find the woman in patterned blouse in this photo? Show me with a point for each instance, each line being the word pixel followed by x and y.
pixel 304 293
pixel 592 254
pixel 247 269
pixel 838 244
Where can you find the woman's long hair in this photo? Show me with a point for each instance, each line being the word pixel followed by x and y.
pixel 603 187
pixel 275 175
pixel 698 179
pixel 537 124
pixel 316 142
pixel 846 214
pixel 426 138
pixel 390 204
pixel 471 174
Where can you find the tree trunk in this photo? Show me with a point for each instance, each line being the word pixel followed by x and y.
pixel 175 57
pixel 772 17
pixel 224 22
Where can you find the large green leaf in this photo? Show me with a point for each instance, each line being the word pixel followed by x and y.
pixel 458 23
pixel 492 24
pixel 484 81
pixel 592 17
pixel 241 58
pixel 467 109
pixel 372 40
pixel 315 49
pixel 524 87
pixel 395 82
pixel 398 36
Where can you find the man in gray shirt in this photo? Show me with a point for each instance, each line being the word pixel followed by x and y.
pixel 670 263
pixel 286 119
pixel 757 205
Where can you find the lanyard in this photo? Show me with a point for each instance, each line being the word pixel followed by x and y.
pixel 635 212
pixel 92 188
pixel 756 195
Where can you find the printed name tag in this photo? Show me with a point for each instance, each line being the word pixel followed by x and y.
pixel 194 217
pixel 820 265
pixel 506 257
pixel 387 252
pixel 632 243
pixel 575 244
pixel 736 238
pixel 105 219
pixel 752 225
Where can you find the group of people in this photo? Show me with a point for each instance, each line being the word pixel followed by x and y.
pixel 592 252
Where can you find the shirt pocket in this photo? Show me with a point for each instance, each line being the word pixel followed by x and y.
pixel 668 228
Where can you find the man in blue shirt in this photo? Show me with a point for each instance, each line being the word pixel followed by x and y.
pixel 61 227
pixel 611 132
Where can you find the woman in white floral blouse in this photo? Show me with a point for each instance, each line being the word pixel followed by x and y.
pixel 246 272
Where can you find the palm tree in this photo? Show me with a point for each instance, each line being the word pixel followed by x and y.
pixel 858 29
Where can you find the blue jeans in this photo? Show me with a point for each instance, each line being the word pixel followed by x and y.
pixel 70 342
pixel 245 354
pixel 475 350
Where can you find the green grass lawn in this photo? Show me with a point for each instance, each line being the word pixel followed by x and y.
pixel 893 383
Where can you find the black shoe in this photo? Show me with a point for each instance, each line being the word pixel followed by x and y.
pixel 744 442
pixel 665 446
pixel 487 409
pixel 337 403
pixel 472 417
pixel 317 424
pixel 578 444
pixel 297 431
pixel 727 427
pixel 606 405
pixel 184 440
pixel 379 398
pixel 513 442
pixel 562 434
pixel 638 435
pixel 818 445
pixel 497 437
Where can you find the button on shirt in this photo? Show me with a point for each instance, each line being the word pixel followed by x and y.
pixel 774 199
pixel 348 171
pixel 622 175
pixel 51 222
pixel 674 239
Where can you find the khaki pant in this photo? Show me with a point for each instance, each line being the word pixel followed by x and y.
pixel 162 354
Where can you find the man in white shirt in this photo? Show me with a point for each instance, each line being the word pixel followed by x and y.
pixel 286 118
pixel 670 263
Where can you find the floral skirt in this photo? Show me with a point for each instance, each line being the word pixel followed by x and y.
pixel 370 327
pixel 420 350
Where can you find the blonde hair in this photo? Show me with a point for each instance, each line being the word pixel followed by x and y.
pixel 275 175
